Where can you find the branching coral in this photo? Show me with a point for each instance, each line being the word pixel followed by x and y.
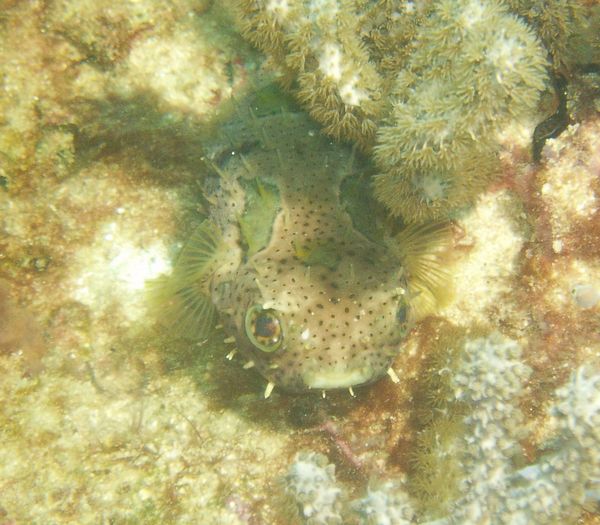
pixel 495 483
pixel 490 379
pixel 311 482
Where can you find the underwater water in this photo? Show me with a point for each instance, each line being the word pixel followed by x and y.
pixel 209 315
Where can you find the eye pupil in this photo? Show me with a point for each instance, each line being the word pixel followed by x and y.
pixel 265 325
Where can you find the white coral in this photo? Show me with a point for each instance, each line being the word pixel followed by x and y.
pixel 489 379
pixel 311 481
pixel 386 505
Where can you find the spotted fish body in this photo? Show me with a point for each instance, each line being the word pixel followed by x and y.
pixel 316 304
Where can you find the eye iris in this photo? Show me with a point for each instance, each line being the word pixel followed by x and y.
pixel 263 328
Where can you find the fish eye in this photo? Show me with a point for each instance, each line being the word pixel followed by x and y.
pixel 263 328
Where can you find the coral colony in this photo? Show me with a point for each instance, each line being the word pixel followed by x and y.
pixel 493 484
pixel 425 86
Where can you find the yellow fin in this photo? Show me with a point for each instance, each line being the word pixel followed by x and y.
pixel 421 248
pixel 181 302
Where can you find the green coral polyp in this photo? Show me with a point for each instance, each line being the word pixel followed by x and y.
pixel 558 24
pixel 488 68
pixel 425 194
pixel 425 87
pixel 316 51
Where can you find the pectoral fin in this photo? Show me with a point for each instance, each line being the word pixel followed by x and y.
pixel 422 248
pixel 181 302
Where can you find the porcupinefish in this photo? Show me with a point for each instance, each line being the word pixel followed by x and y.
pixel 312 297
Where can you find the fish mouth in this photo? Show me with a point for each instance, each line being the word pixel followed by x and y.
pixel 336 378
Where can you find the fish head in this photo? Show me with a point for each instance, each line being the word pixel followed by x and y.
pixel 310 325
